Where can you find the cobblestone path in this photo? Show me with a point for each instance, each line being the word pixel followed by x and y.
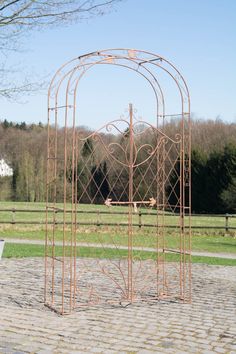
pixel 208 325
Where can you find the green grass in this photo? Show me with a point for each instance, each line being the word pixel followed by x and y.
pixel 209 243
pixel 25 250
pixel 202 240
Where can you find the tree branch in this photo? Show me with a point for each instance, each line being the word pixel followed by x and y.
pixel 18 17
pixel 8 5
pixel 27 14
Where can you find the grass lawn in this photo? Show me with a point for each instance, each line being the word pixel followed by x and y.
pixel 25 250
pixel 202 239
pixel 209 243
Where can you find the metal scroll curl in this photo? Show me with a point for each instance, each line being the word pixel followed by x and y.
pixel 120 149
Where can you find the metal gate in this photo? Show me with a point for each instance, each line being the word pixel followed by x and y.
pixel 118 204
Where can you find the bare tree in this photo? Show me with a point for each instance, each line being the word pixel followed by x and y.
pixel 19 17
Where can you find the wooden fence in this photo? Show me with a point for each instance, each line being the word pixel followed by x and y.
pixel 11 216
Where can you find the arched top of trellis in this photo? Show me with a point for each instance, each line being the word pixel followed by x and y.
pixel 145 64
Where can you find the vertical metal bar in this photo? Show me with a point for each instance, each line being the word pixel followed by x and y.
pixel 130 216
pixel 64 210
pixel 190 206
pixel 163 218
pixel 50 187
pixel 54 204
pixel 181 221
pixel 75 234
pixel 73 213
pixel 182 208
pixel 160 206
pixel 46 218
pixel 157 214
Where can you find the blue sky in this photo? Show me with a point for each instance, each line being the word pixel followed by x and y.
pixel 198 36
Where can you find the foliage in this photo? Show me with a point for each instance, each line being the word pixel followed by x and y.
pixel 219 176
pixel 24 147
pixel 198 166
pixel 5 188
pixel 228 196
pixel 100 178
pixel 213 181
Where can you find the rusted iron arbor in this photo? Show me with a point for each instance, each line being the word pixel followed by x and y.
pixel 126 166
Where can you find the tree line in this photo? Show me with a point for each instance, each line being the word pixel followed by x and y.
pixel 213 181
pixel 24 148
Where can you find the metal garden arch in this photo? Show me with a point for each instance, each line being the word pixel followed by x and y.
pixel 118 199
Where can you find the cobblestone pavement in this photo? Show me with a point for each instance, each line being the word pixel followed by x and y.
pixel 208 325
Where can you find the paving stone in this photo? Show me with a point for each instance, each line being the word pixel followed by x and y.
pixel 219 350
pixel 206 326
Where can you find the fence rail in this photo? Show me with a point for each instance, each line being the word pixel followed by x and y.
pixel 11 218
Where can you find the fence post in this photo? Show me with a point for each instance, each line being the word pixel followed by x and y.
pixel 55 217
pixel 13 216
pixel 98 218
pixel 226 222
pixel 139 219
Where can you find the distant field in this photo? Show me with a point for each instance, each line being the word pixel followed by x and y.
pixel 203 239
